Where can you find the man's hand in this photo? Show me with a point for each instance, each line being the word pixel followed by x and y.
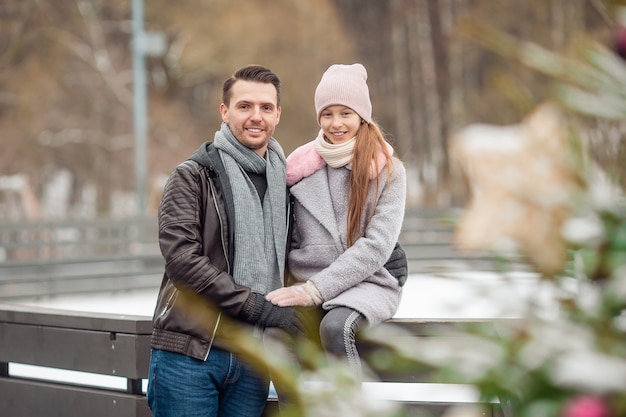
pixel 261 312
pixel 397 264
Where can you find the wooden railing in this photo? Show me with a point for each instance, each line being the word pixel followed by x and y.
pixel 63 257
pixel 68 240
pixel 49 258
pixel 427 237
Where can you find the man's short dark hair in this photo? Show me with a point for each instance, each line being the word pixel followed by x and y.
pixel 254 73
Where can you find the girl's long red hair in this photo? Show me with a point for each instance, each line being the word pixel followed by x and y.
pixel 370 141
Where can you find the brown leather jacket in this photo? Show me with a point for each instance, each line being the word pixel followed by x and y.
pixel 196 238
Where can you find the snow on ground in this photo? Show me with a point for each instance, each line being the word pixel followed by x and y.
pixel 132 302
pixel 474 295
pixel 451 295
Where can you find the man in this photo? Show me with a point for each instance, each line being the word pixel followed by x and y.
pixel 223 234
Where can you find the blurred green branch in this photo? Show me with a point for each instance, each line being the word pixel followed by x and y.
pixel 593 84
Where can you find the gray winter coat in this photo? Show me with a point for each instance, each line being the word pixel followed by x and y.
pixel 352 277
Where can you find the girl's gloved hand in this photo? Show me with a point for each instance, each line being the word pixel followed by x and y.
pixel 304 295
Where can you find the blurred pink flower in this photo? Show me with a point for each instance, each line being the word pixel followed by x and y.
pixel 586 406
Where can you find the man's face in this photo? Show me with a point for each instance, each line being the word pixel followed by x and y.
pixel 253 114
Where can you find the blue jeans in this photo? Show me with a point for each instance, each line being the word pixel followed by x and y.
pixel 221 386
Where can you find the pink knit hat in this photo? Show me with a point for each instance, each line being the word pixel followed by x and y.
pixel 344 85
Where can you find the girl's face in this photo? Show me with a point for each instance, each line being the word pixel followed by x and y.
pixel 339 123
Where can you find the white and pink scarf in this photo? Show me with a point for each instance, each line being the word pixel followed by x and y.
pixel 314 155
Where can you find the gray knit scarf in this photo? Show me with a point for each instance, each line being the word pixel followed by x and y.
pixel 260 226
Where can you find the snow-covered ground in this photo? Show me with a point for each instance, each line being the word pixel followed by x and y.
pixel 451 295
pixel 446 295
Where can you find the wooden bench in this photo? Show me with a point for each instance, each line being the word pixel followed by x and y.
pixel 104 344
pixel 114 345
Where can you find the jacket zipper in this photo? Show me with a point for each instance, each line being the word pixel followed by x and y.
pixel 219 215
pixel 221 220
pixel 217 322
pixel 169 302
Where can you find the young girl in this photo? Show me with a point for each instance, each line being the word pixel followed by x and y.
pixel 349 194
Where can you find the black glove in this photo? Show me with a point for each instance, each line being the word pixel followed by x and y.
pixel 397 264
pixel 259 311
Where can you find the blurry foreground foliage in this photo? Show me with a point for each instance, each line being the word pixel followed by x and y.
pixel 548 199
pixel 537 192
